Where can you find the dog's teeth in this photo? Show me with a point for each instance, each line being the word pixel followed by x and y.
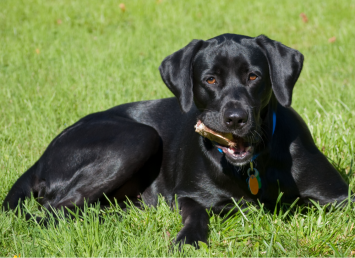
pixel 230 151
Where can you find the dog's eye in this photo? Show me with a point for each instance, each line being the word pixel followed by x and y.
pixel 252 77
pixel 211 80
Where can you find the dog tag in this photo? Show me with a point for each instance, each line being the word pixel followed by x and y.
pixel 253 181
pixel 253 185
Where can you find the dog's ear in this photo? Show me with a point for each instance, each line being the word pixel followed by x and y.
pixel 285 66
pixel 176 72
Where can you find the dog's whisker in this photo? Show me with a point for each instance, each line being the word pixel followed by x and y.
pixel 264 132
pixel 260 137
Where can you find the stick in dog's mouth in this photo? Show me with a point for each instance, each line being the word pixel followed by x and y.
pixel 228 143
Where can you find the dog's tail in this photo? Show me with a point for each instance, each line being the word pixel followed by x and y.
pixel 23 188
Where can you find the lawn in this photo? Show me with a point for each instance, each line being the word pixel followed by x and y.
pixel 63 59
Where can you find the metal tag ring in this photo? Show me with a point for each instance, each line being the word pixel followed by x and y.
pixel 256 172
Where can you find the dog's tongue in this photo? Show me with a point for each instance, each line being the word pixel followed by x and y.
pixel 237 149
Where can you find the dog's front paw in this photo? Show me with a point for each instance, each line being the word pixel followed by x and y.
pixel 191 236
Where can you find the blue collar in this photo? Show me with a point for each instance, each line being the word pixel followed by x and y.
pixel 273 130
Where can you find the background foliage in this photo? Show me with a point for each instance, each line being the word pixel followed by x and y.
pixel 63 59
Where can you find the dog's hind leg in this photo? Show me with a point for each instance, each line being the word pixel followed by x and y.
pixel 99 155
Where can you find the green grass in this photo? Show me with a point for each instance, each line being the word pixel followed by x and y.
pixel 60 60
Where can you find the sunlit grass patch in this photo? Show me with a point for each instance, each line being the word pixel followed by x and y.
pixel 61 59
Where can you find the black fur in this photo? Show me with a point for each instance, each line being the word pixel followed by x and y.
pixel 147 148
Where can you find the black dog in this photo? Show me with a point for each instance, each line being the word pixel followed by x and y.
pixel 239 90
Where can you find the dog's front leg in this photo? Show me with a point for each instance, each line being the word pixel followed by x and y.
pixel 195 220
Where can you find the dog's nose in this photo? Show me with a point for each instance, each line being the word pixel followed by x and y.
pixel 235 118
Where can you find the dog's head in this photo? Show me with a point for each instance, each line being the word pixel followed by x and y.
pixel 231 79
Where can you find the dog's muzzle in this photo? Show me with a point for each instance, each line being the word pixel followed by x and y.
pixel 239 150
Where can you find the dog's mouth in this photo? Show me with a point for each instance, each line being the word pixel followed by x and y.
pixel 237 149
